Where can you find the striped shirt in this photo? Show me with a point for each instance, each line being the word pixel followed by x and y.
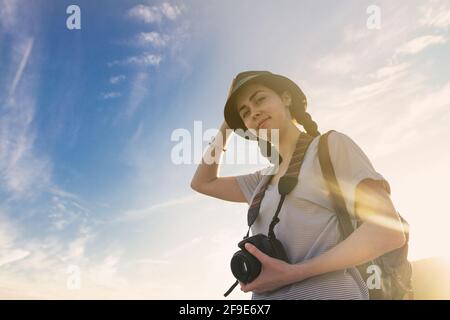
pixel 308 225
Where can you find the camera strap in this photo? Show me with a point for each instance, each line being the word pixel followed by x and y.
pixel 286 184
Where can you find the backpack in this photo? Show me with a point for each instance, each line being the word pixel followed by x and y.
pixel 392 270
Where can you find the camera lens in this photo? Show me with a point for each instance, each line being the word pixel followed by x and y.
pixel 245 267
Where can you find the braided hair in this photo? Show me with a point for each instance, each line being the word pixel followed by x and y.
pixel 304 118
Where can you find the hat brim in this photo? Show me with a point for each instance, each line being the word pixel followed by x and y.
pixel 231 114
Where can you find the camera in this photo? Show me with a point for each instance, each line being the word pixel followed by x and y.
pixel 245 267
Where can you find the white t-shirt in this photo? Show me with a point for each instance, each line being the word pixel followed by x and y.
pixel 308 224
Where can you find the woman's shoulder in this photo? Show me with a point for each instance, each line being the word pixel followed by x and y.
pixel 336 136
pixel 341 145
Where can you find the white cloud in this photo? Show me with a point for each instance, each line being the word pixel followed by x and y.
pixel 66 209
pixel 110 95
pixel 44 275
pixel 145 13
pixel 39 270
pixel 145 59
pixel 154 14
pixel 117 79
pixel 389 70
pixel 420 43
pixel 9 256
pixel 138 91
pixel 105 273
pixel 432 102
pixel 62 193
pixel 26 54
pixel 154 38
pixel 8 14
pixel 436 15
pixel 137 134
pixel 9 233
pixel 22 171
pixel 148 261
pixel 339 64
pixel 354 34
pixel 170 11
pixel 138 214
pixel 377 84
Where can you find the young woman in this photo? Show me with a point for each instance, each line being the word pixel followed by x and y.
pixel 321 264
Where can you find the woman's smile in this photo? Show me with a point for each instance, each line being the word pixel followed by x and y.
pixel 262 125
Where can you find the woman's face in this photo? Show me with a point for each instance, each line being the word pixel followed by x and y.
pixel 262 108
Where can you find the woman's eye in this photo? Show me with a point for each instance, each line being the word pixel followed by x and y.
pixel 245 114
pixel 261 99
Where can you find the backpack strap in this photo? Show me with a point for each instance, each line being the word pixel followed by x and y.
pixel 340 208
pixel 333 186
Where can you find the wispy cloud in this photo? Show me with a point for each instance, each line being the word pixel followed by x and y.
pixel 419 44
pixel 38 267
pixel 145 59
pixel 139 214
pixel 41 271
pixel 155 14
pixel 8 14
pixel 9 253
pixel 153 38
pixel 65 211
pixel 23 63
pixel 110 95
pixel 376 84
pixel 145 13
pixel 20 166
pixel 389 70
pixel 57 191
pixel 336 64
pixel 138 92
pixel 432 101
pixel 381 84
pixel 117 79
pixel 436 15
pixel 76 248
pixel 354 34
pixel 9 256
pixel 171 11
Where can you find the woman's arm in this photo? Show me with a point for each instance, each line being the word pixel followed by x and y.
pixel 380 232
pixel 206 178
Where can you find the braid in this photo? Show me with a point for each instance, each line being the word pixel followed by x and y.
pixel 304 118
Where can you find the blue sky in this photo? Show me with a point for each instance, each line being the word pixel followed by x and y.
pixel 86 175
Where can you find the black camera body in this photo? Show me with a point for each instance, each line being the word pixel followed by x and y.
pixel 245 267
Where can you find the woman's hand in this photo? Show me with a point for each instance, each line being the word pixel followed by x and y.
pixel 275 273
